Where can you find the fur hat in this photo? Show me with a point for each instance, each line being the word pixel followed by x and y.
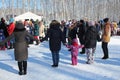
pixel 19 25
pixel 106 20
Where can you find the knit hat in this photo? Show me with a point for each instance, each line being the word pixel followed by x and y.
pixel 19 25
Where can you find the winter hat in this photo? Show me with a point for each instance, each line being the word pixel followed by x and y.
pixel 91 23
pixel 54 24
pixel 106 20
pixel 19 25
pixel 75 42
pixel 81 21
pixel 11 20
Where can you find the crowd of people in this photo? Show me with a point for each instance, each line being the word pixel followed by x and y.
pixel 73 34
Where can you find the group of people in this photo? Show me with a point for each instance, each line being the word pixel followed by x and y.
pixel 19 35
pixel 88 33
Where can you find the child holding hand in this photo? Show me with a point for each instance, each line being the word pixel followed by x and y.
pixel 74 50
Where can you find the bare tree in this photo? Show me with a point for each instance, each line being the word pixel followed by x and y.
pixel 63 9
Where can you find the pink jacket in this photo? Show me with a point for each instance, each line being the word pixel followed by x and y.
pixel 74 49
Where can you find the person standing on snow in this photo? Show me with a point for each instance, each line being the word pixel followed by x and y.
pixel 90 41
pixel 106 34
pixel 21 49
pixel 55 36
pixel 74 50
pixel 10 30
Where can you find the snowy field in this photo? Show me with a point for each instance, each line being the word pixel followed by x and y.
pixel 39 64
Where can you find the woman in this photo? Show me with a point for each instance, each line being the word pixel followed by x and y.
pixel 90 42
pixel 20 50
pixel 55 36
pixel 106 38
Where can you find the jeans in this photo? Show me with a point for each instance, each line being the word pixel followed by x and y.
pixel 55 57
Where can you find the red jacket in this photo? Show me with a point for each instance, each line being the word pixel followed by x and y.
pixel 11 28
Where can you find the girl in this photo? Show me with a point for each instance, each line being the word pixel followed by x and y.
pixel 74 50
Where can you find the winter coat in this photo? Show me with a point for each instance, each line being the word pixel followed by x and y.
pixel 4 27
pixel 74 49
pixel 91 37
pixel 55 36
pixel 11 28
pixel 36 29
pixel 73 32
pixel 81 32
pixel 106 32
pixel 20 49
pixel 41 31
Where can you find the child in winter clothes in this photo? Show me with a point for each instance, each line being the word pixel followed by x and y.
pixel 74 50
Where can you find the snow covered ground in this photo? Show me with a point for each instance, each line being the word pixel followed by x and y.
pixel 39 64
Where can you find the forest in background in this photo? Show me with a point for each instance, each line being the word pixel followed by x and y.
pixel 63 9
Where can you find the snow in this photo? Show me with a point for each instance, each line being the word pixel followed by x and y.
pixel 39 64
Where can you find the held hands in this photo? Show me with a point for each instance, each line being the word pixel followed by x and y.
pixel 82 46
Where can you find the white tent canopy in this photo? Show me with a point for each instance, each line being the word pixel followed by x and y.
pixel 28 15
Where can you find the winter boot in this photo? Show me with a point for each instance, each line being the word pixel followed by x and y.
pixel 20 68
pixel 24 67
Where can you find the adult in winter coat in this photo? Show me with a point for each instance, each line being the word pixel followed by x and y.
pixel 106 37
pixel 3 26
pixel 36 31
pixel 55 36
pixel 90 42
pixel 20 50
pixel 81 34
pixel 41 30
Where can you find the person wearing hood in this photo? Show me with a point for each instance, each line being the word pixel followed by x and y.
pixel 90 41
pixel 74 51
pixel 21 49
pixel 55 36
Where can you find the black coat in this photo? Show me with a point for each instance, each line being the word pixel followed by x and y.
pixel 91 37
pixel 55 36
pixel 73 33
pixel 81 32
pixel 3 26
